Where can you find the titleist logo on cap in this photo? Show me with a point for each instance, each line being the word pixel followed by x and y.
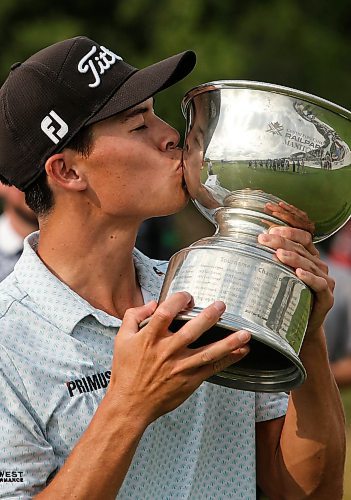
pixel 97 64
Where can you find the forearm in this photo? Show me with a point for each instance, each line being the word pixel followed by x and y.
pixel 98 464
pixel 305 451
pixel 312 444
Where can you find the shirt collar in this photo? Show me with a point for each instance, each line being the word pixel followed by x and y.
pixel 60 304
pixel 150 274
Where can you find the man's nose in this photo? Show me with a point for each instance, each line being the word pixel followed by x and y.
pixel 170 138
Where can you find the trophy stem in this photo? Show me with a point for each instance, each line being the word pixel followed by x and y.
pixel 233 222
pixel 244 211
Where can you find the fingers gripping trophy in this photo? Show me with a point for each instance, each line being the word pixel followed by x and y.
pixel 258 155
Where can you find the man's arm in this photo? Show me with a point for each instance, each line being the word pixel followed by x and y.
pixel 303 454
pixel 153 372
pixel 99 462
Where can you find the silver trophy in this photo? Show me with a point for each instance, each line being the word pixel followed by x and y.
pixel 258 155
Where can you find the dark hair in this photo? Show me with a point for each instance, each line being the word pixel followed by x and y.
pixel 38 195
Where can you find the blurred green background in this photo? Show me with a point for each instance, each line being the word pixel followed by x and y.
pixel 300 44
pixel 292 42
pixel 289 42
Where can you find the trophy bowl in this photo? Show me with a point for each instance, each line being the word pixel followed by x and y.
pixel 257 155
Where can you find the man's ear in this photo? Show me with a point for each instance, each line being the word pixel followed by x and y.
pixel 65 173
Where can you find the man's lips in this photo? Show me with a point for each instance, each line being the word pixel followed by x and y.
pixel 180 166
pixel 183 177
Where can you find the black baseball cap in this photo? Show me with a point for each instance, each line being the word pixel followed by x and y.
pixel 48 98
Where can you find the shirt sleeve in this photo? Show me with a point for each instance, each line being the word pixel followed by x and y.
pixel 26 458
pixel 270 406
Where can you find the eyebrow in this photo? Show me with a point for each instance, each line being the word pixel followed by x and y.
pixel 135 112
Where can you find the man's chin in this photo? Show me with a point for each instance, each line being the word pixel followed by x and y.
pixel 179 207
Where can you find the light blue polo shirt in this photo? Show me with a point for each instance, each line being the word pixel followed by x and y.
pixel 56 354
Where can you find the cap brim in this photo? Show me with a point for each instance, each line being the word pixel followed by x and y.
pixel 146 82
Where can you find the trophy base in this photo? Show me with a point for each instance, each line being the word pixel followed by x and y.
pixel 270 366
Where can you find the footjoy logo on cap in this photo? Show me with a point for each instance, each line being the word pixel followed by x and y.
pixel 98 64
pixel 54 127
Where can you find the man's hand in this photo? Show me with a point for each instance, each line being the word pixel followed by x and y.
pixel 153 369
pixel 294 248
pixel 291 215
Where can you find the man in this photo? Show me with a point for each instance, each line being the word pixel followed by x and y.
pixel 16 222
pixel 90 414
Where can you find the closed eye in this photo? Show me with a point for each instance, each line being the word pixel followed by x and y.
pixel 141 127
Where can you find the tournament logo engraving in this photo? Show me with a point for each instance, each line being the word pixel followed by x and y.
pixel 98 64
pixel 275 128
pixel 49 127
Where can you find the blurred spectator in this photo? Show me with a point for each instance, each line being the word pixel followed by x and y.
pixel 338 325
pixel 340 247
pixel 16 222
pixel 338 321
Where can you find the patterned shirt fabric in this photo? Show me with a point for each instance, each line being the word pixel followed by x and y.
pixel 56 354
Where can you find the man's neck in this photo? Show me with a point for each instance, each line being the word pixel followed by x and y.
pixel 94 260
